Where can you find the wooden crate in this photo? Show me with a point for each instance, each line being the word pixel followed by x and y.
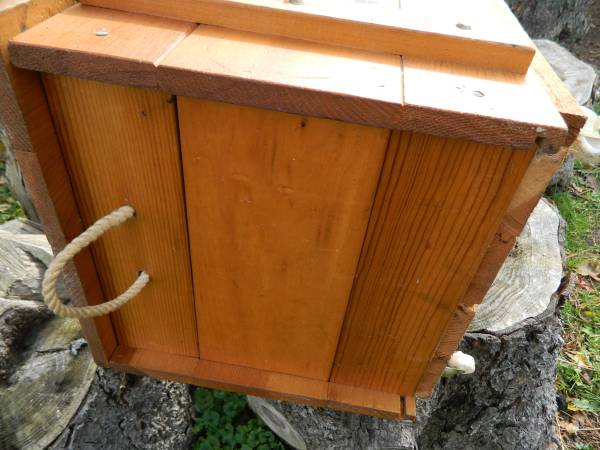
pixel 322 194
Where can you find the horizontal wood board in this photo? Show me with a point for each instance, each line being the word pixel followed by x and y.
pixel 277 209
pixel 464 31
pixel 121 148
pixel 100 44
pixel 264 383
pixel 304 78
pixel 437 207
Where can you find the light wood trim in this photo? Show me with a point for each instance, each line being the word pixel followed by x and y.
pixel 68 44
pixel 25 115
pixel 262 383
pixel 429 31
pixel 568 107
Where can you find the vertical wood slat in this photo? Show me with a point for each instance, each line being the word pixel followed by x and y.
pixel 437 207
pixel 25 116
pixel 121 147
pixel 277 209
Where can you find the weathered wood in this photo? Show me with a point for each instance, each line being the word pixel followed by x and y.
pixel 469 33
pixel 277 209
pixel 99 44
pixel 25 115
pixel 436 208
pixel 121 147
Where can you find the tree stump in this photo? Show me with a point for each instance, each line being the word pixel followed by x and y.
pixel 509 402
pixel 52 395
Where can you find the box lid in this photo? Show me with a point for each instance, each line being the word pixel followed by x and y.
pixel 383 89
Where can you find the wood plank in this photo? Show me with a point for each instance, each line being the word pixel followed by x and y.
pixel 437 207
pixel 545 163
pixel 121 147
pixel 286 75
pixel 568 107
pixel 277 210
pixel 480 105
pixel 429 31
pixel 361 87
pixel 299 77
pixel 26 119
pixel 263 383
pixel 72 43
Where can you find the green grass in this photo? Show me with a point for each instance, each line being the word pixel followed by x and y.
pixel 9 207
pixel 579 364
pixel 580 207
pixel 578 367
pixel 223 421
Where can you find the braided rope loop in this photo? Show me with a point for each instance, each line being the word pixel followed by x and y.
pixel 101 226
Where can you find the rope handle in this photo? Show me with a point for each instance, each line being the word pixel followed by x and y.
pixel 97 229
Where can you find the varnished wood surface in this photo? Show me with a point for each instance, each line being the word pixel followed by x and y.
pixel 477 104
pixel 295 76
pixel 437 207
pixel 285 75
pixel 277 210
pixel 263 383
pixel 540 170
pixel 26 119
pixel 428 29
pixel 121 147
pixel 99 44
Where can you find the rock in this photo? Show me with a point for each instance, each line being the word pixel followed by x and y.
pixel 129 412
pixel 553 19
pixel 579 77
pixel 510 400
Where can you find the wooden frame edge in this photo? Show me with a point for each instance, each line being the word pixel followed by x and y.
pixel 30 131
pixel 263 383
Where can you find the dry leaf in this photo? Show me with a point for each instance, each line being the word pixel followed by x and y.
pixel 589 269
pixel 571 428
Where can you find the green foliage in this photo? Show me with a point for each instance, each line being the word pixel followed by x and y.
pixel 9 207
pixel 223 421
pixel 596 108
pixel 578 368
pixel 580 208
pixel 579 364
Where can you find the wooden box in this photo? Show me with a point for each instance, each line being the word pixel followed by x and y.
pixel 323 191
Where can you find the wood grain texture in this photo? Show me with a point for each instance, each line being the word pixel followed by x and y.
pixel 68 44
pixel 263 383
pixel 447 345
pixel 476 104
pixel 427 31
pixel 26 119
pixel 277 210
pixel 560 96
pixel 285 75
pixel 121 147
pixel 295 76
pixel 361 87
pixel 437 207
